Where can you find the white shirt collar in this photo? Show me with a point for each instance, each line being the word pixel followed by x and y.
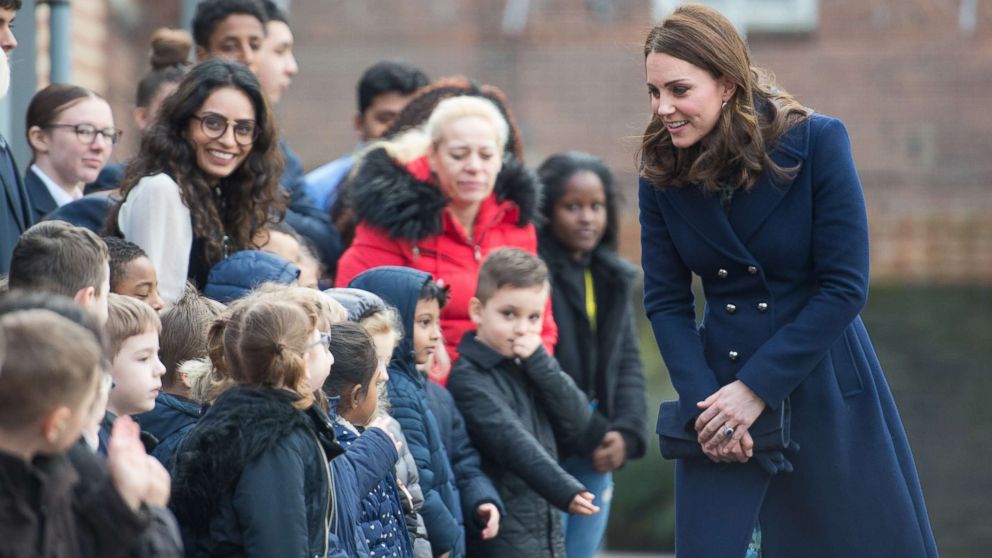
pixel 60 196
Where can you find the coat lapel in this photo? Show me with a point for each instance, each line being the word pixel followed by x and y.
pixel 702 211
pixel 15 192
pixel 42 202
pixel 750 209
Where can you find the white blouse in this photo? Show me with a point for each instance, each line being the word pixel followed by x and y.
pixel 155 218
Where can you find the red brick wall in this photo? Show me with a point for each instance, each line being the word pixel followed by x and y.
pixel 911 87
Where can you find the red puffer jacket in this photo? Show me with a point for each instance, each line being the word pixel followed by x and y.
pixel 404 220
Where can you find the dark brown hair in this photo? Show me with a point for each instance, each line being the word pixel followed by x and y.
pixel 169 59
pixel 265 344
pixel 238 206
pixel 735 153
pixel 50 362
pixel 58 257
pixel 355 359
pixel 185 326
pixel 510 267
pixel 48 104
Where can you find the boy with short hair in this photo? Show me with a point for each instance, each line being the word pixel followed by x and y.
pixel 47 385
pixel 132 273
pixel 418 300
pixel 133 329
pixel 519 406
pixel 57 257
pixel 231 29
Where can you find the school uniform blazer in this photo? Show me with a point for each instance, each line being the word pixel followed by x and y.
pixel 42 202
pixel 15 206
pixel 785 275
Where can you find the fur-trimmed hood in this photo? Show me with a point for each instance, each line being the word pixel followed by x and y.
pixel 387 195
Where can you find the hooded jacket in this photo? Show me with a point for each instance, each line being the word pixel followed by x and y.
pixel 236 275
pixel 404 220
pixel 400 287
pixel 252 478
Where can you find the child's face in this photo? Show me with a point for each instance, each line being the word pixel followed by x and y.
pixel 508 314
pixel 318 359
pixel 578 219
pixel 137 374
pixel 141 282
pixel 426 330
pixel 360 412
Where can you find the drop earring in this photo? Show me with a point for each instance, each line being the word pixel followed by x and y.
pixel 724 105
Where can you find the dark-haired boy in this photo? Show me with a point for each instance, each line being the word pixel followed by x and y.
pixel 383 91
pixel 57 257
pixel 519 406
pixel 132 273
pixel 47 506
pixel 231 29
pixel 418 300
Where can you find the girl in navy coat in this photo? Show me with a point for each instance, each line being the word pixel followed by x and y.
pixel 759 197
pixel 597 342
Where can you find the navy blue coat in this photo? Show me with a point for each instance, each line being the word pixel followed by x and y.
pixel 400 287
pixel 170 420
pixel 238 274
pixel 42 202
pixel 15 207
pixel 474 486
pixel 785 275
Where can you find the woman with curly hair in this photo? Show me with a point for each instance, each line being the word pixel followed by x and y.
pixel 206 180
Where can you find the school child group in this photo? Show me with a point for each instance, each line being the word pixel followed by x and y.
pixel 179 379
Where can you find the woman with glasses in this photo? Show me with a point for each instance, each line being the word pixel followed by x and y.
pixel 205 181
pixel 71 133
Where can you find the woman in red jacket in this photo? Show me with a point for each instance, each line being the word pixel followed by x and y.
pixel 430 199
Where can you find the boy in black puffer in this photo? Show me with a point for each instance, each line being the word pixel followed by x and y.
pixel 519 406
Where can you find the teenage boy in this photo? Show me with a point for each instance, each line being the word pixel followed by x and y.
pixel 57 257
pixel 132 273
pixel 15 206
pixel 418 300
pixel 383 91
pixel 48 505
pixel 132 330
pixel 519 405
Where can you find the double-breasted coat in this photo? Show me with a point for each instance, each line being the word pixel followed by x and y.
pixel 785 275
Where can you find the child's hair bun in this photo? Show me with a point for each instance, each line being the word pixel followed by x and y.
pixel 170 47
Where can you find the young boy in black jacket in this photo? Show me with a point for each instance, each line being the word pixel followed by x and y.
pixel 49 504
pixel 519 406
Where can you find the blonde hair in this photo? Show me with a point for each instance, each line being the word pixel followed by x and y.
pixel 128 317
pixel 417 142
pixel 383 321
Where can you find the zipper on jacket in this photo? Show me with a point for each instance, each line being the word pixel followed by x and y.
pixel 330 509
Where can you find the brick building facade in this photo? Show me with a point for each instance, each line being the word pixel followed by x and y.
pixel 908 77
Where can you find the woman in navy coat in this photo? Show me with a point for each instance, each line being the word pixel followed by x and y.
pixel 759 197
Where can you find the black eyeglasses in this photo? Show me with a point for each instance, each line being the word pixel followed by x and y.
pixel 325 340
pixel 87 133
pixel 215 126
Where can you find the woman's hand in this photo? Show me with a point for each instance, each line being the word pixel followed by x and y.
pixel 731 451
pixel 582 504
pixel 490 514
pixel 733 405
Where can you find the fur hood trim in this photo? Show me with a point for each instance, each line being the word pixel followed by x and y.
pixel 386 195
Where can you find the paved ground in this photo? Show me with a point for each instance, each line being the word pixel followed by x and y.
pixel 607 554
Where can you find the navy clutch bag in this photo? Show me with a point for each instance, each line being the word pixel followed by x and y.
pixel 770 432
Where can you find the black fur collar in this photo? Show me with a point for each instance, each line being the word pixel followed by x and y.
pixel 244 423
pixel 385 195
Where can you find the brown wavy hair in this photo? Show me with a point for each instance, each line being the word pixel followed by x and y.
pixel 735 152
pixel 238 206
